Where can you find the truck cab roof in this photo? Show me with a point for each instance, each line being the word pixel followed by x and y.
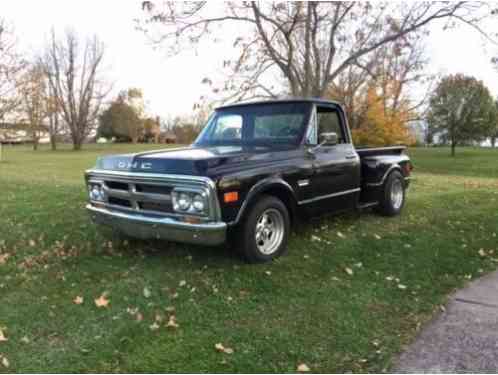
pixel 277 101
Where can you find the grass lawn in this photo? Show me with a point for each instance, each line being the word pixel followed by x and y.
pixel 303 308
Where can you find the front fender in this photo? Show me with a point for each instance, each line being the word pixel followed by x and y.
pixel 270 184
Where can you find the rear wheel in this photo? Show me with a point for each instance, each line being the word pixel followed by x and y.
pixel 392 196
pixel 265 230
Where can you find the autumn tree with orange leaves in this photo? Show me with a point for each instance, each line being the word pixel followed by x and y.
pixel 385 121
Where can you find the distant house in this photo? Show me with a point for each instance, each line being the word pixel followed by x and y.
pixel 418 129
pixel 167 137
pixel 18 133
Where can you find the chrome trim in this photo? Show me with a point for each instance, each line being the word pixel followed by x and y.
pixel 388 148
pixel 173 180
pixel 391 168
pixel 350 191
pixel 164 228
pixel 302 183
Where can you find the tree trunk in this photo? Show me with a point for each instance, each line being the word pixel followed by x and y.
pixel 77 141
pixel 53 142
pixel 453 146
pixel 493 142
pixel 35 143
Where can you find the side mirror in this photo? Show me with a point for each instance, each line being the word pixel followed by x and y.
pixel 328 139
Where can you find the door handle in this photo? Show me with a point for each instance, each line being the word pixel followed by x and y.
pixel 351 156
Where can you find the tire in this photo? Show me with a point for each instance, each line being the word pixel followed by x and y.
pixel 264 232
pixel 392 197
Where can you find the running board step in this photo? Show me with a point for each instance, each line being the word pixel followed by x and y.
pixel 366 205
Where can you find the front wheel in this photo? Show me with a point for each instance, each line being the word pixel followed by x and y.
pixel 265 230
pixel 392 196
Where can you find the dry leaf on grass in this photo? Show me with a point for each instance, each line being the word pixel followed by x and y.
pixel 78 300
pixel 5 361
pixel 147 293
pixel 221 348
pixel 3 258
pixel 172 322
pixel 102 301
pixel 2 336
pixel 348 270
pixel 302 367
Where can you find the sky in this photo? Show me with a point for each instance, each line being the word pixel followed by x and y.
pixel 171 85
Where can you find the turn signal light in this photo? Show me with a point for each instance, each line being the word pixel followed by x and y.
pixel 232 196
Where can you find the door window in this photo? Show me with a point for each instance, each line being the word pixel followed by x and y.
pixel 329 120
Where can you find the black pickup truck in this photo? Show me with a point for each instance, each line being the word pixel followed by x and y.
pixel 255 169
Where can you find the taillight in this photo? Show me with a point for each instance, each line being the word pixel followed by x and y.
pixel 407 168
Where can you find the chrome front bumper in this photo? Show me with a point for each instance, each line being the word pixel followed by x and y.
pixel 164 228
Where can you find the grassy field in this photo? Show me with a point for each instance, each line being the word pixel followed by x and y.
pixel 303 308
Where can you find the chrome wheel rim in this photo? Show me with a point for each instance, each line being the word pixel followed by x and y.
pixel 397 194
pixel 269 231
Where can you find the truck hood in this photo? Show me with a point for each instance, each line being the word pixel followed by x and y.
pixel 198 161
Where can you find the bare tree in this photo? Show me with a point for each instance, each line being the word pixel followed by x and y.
pixel 310 44
pixel 395 69
pixel 12 66
pixel 34 101
pixel 74 73
pixel 53 114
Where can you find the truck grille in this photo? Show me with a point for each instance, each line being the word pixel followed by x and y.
pixel 154 198
pixel 150 194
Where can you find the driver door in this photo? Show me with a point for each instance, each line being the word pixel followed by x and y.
pixel 336 168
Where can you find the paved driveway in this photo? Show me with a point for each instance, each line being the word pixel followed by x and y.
pixel 462 339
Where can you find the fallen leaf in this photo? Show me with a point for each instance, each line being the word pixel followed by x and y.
pixel 219 347
pixel 348 270
pixel 172 322
pixel 146 292
pixel 25 339
pixel 302 367
pixel 482 253
pixel 102 301
pixel 78 300
pixel 154 326
pixel 401 286
pixel 183 283
pixel 3 258
pixel 32 243
pixel 339 234
pixel 2 336
pixel 5 361
pixel 377 237
pixel 268 273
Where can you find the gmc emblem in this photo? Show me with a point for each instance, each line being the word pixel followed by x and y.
pixel 134 165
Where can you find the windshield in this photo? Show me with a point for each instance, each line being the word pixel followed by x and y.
pixel 272 123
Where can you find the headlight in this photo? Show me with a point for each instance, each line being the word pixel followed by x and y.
pixel 198 203
pixel 189 201
pixel 95 192
pixel 184 201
